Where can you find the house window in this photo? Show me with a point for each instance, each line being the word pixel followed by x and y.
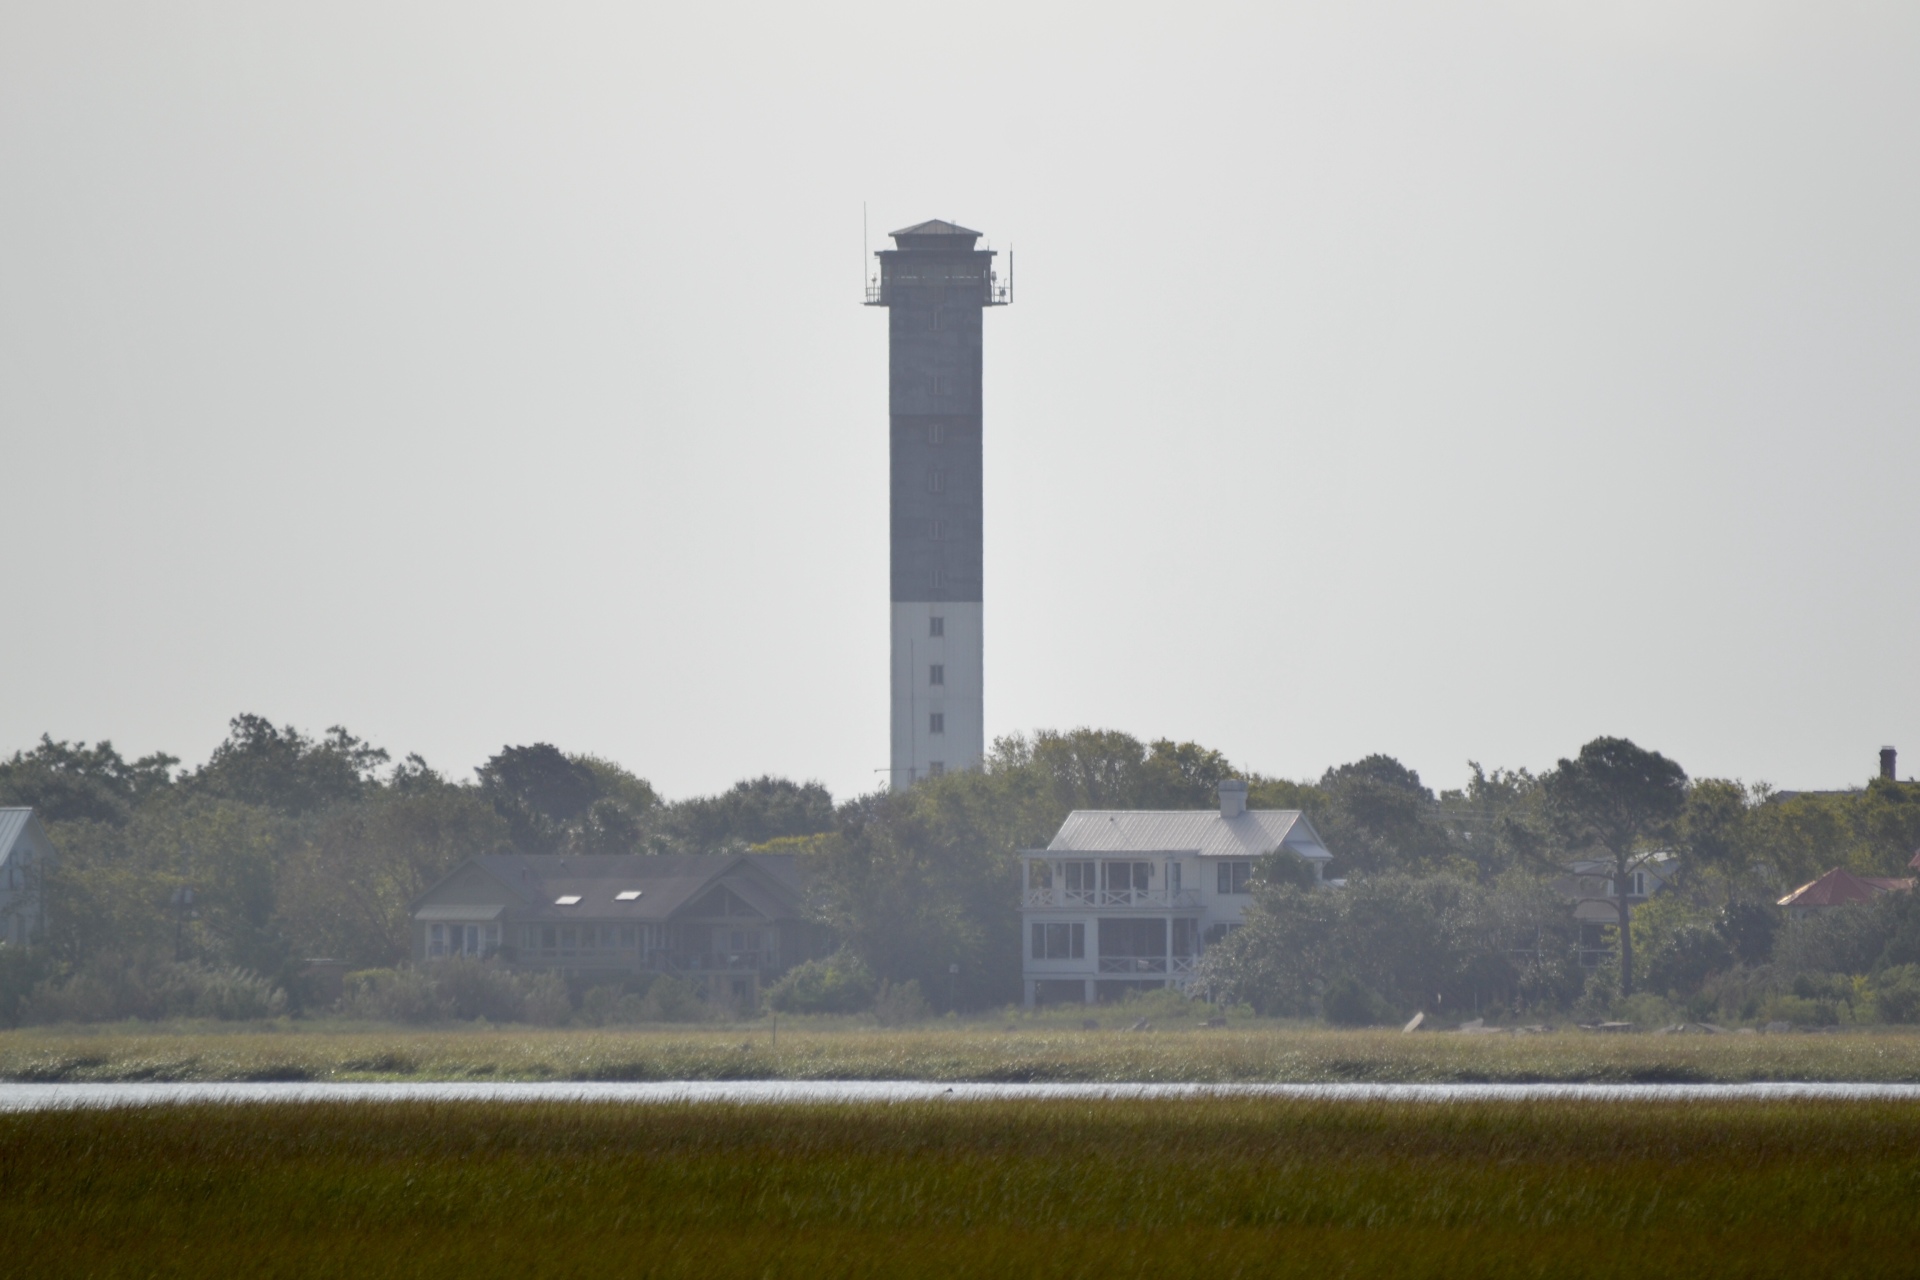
pixel 1186 938
pixel 437 940
pixel 1127 877
pixel 936 627
pixel 936 433
pixel 1059 942
pixel 936 674
pixel 936 768
pixel 936 722
pixel 1234 876
pixel 1080 880
pixel 1173 877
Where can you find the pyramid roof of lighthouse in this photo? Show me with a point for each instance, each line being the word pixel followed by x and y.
pixel 935 227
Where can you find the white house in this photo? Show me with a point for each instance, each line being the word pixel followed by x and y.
pixel 1589 883
pixel 1125 900
pixel 25 853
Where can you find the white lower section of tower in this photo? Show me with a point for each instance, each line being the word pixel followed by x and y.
pixel 939 717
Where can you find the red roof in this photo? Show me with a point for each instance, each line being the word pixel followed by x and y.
pixel 1840 886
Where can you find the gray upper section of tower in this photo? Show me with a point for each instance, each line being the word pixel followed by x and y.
pixel 935 285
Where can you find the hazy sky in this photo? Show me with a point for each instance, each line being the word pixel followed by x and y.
pixel 1459 381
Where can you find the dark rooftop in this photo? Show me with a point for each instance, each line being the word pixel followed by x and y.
pixel 935 234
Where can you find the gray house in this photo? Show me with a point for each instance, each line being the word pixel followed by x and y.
pixel 25 854
pixel 728 924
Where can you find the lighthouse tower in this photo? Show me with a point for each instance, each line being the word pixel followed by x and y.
pixel 936 286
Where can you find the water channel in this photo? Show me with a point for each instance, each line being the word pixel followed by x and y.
pixel 40 1097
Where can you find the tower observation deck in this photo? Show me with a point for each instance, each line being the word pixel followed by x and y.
pixel 936 286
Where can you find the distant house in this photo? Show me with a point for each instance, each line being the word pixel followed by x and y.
pixel 25 855
pixel 1591 886
pixel 1840 887
pixel 728 924
pixel 1125 900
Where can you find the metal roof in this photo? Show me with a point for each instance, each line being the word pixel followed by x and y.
pixel 12 823
pixel 1200 831
pixel 20 829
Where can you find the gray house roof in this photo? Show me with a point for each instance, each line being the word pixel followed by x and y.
pixel 769 883
pixel 1205 832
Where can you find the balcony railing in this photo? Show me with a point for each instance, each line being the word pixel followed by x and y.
pixel 1133 964
pixel 1095 899
pixel 997 292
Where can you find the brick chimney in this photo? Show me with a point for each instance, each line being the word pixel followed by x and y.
pixel 1233 798
pixel 1887 755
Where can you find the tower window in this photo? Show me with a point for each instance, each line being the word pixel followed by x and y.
pixel 936 479
pixel 936 674
pixel 936 722
pixel 937 530
pixel 936 626
pixel 935 768
pixel 942 385
pixel 936 433
pixel 937 578
pixel 939 318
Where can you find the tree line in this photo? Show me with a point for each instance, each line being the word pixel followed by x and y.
pixel 297 845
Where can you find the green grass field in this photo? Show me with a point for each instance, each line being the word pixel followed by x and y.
pixel 1215 1188
pixel 1013 1050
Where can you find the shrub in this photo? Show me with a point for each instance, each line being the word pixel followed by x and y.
pixel 110 989
pixel 671 1000
pixel 545 1001
pixel 1348 1002
pixel 897 1005
pixel 1896 994
pixel 475 989
pixel 1645 1009
pixel 231 995
pixel 1803 1010
pixel 393 995
pixel 841 983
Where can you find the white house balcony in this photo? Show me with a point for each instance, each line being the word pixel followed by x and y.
pixel 1102 899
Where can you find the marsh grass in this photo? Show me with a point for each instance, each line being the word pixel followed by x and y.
pixel 1012 1051
pixel 1220 1187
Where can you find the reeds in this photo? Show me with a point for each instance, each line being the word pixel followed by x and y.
pixel 1214 1187
pixel 1011 1051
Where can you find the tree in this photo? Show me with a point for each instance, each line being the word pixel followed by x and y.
pixel 1377 816
pixel 1615 801
pixel 345 892
pixel 539 790
pixel 285 770
pixel 750 812
pixel 72 782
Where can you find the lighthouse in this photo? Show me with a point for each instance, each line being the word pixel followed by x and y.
pixel 936 286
